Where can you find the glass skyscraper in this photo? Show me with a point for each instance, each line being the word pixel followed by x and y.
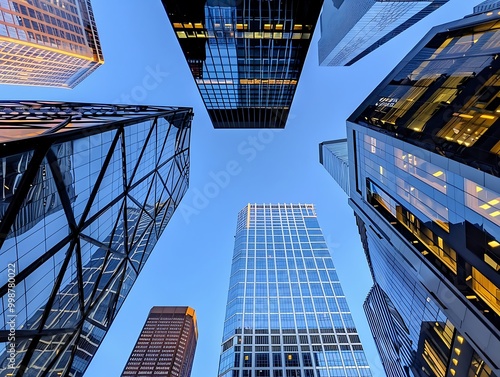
pixel 286 314
pixel 351 29
pixel 86 192
pixel 246 56
pixel 423 165
pixel 48 43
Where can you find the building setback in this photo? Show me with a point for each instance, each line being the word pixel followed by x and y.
pixel 246 56
pixel 423 168
pixel 87 190
pixel 351 29
pixel 286 313
pixel 166 345
pixel 48 43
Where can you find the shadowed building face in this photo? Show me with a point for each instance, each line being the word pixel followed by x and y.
pixel 246 56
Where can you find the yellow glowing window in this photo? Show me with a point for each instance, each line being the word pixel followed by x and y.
pixel 297 27
pixel 296 35
pixel 177 25
pixel 495 214
pixel 484 116
pixel 493 243
pixel 246 357
pixel 485 206
pixel 268 26
pixel 491 262
pixel 493 202
pixel 188 25
pixel 289 357
pixel 486 290
pixel 279 27
pixel 479 188
pixel 438 173
pixel 181 34
pixel 278 35
pixel 198 25
pixel 465 116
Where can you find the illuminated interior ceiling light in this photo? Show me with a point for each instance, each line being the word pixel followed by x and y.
pixel 465 116
pixel 468 278
pixel 297 27
pixel 415 241
pixel 484 116
pixel 457 350
pixel 495 214
pixel 460 339
pixel 479 188
pixel 471 297
pixel 494 202
pixel 454 361
pixel 452 372
pixel 439 173
pixel 494 243
pixel 425 252
pixel 485 206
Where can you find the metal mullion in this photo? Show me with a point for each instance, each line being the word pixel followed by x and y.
pixel 37 263
pixel 46 311
pixel 72 353
pixel 106 258
pixel 20 194
pixel 152 128
pixel 99 179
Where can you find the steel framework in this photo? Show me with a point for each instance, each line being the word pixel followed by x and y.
pixel 87 191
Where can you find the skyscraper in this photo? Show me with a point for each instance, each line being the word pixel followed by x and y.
pixel 48 43
pixel 246 56
pixel 166 344
pixel 286 313
pixel 87 191
pixel 423 165
pixel 351 29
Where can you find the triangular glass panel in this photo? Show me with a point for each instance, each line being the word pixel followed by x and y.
pixel 135 139
pixel 37 288
pixel 111 185
pixel 108 228
pixel 140 242
pixel 148 160
pixel 104 307
pixel 128 282
pixel 89 154
pixel 65 311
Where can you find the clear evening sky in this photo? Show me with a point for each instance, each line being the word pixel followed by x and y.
pixel 229 168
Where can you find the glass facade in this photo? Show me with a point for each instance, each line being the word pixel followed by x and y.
pixel 286 312
pixel 352 29
pixel 48 43
pixel 445 97
pixel 246 56
pixel 333 156
pixel 424 186
pixel 87 191
pixel 166 345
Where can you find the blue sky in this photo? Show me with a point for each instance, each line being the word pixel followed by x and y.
pixel 230 168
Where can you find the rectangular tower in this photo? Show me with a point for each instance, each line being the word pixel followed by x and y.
pixel 351 29
pixel 246 56
pixel 86 192
pixel 48 43
pixel 166 345
pixel 423 152
pixel 286 314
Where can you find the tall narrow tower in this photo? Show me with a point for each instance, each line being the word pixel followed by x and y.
pixel 166 344
pixel 286 313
